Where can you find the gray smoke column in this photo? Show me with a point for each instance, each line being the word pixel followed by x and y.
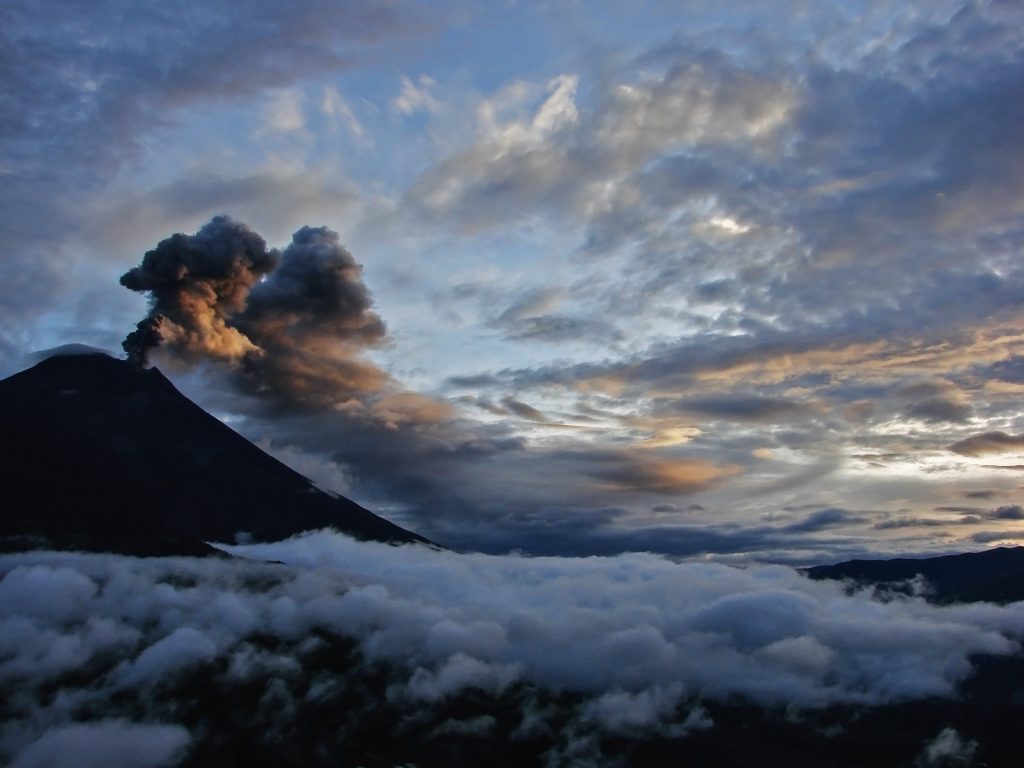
pixel 292 323
pixel 310 319
pixel 196 283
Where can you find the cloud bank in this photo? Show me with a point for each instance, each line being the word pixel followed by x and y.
pixel 636 641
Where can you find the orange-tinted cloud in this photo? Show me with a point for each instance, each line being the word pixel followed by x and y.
pixel 634 470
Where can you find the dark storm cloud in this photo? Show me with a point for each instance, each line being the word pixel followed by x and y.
pixel 1011 369
pixel 461 483
pixel 456 481
pixel 672 508
pixel 531 303
pixel 822 519
pixel 968 516
pixel 896 523
pixel 481 502
pixel 483 404
pixel 940 410
pixel 634 471
pixel 531 315
pixel 988 443
pixel 809 358
pixel 934 401
pixel 1008 512
pixel 291 323
pixel 574 531
pixel 431 474
pixel 716 290
pixel 562 328
pixel 987 537
pixel 523 410
pixel 662 366
pixel 744 408
pixel 476 381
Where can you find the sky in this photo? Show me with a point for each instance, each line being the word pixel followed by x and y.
pixel 730 280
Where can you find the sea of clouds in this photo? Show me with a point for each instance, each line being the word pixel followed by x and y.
pixel 640 638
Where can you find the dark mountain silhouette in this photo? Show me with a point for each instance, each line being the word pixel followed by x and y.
pixel 995 576
pixel 100 454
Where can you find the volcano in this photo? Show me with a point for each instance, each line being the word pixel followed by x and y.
pixel 102 455
pixel 994 576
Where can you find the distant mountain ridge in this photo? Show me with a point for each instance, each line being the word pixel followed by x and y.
pixel 994 576
pixel 99 454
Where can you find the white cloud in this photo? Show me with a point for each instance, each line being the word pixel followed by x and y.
pixel 417 96
pixel 282 115
pixel 632 713
pixel 701 102
pixel 105 744
pixel 555 157
pixel 635 621
pixel 182 648
pixel 506 118
pixel 458 673
pixel 327 475
pixel 638 637
pixel 949 748
pixel 335 107
pixel 46 593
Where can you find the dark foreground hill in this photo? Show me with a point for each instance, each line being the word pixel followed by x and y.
pixel 995 576
pixel 99 454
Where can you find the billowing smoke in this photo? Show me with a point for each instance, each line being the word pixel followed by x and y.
pixel 310 319
pixel 352 635
pixel 197 284
pixel 291 323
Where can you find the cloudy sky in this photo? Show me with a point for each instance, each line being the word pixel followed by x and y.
pixel 736 279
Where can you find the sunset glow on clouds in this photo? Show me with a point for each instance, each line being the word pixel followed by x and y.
pixel 656 276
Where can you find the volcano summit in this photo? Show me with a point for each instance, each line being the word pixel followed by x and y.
pixel 101 454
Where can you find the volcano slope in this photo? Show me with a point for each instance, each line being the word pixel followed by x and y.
pixel 102 455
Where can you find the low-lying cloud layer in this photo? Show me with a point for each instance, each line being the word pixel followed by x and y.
pixel 638 639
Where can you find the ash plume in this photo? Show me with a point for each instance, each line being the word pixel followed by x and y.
pixel 309 320
pixel 196 284
pixel 291 323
